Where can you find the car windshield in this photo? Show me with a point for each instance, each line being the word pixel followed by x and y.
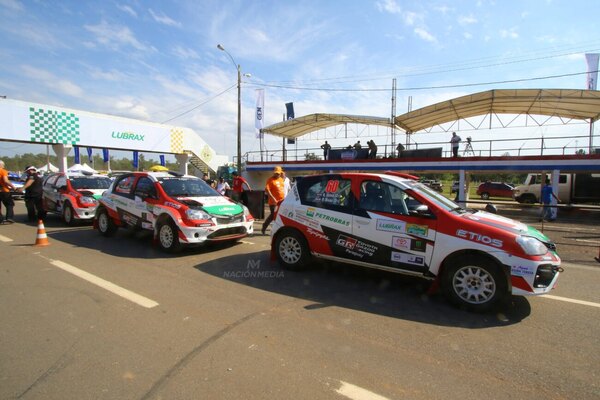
pixel 90 183
pixel 187 187
pixel 434 197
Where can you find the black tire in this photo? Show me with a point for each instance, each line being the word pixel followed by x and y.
pixel 485 195
pixel 474 283
pixel 68 214
pixel 105 225
pixel 529 199
pixel 292 250
pixel 168 237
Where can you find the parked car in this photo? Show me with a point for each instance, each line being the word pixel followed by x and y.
pixel 179 209
pixel 495 189
pixel 73 196
pixel 436 185
pixel 393 223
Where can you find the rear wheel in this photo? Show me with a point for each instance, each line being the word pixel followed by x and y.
pixel 292 250
pixel 474 283
pixel 106 226
pixel 68 214
pixel 168 237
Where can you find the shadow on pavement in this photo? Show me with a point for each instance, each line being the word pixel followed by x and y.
pixel 372 291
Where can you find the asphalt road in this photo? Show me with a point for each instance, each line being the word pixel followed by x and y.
pixel 89 317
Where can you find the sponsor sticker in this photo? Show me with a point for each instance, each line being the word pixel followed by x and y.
pixel 408 258
pixel 317 234
pixel 356 247
pixel 521 270
pixel 390 226
pixel 418 245
pixel 415 229
pixel 401 243
pixel 476 237
pixel 310 212
pixel 330 218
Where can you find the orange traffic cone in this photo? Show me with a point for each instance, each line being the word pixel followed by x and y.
pixel 42 238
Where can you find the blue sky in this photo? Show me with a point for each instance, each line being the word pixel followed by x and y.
pixel 158 60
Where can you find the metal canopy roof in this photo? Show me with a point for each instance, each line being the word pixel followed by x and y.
pixel 300 126
pixel 565 103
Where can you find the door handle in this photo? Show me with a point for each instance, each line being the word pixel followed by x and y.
pixel 363 221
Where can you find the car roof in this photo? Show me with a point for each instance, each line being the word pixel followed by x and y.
pixel 391 175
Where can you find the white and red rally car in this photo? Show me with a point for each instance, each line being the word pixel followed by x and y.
pixel 73 196
pixel 180 210
pixel 392 222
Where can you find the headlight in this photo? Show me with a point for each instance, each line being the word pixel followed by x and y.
pixel 247 215
pixel 87 200
pixel 532 246
pixel 196 214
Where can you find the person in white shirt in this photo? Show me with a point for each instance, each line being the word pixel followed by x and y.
pixel 454 141
pixel 287 185
pixel 222 186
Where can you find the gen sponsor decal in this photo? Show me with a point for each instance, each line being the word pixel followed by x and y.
pixel 171 204
pixel 401 243
pixel 310 212
pixel 333 219
pixel 522 270
pixel 317 234
pixel 390 226
pixel 407 258
pixel 476 237
pixel 356 247
pixel 415 229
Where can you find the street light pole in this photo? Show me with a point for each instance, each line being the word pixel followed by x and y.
pixel 239 108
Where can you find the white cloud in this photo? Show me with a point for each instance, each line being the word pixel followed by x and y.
pixel 467 20
pixel 411 18
pixel 115 36
pixel 389 6
pixel 423 34
pixel 12 4
pixel 129 107
pixel 467 35
pixel 52 82
pixel 185 53
pixel 125 8
pixel 162 18
pixel 509 33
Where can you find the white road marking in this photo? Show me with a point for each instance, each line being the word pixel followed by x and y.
pixel 568 300
pixel 357 393
pixel 104 284
pixel 5 239
pixel 587 241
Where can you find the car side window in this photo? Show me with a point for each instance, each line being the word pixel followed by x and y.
pixel 61 182
pixel 331 193
pixel 145 187
pixel 49 182
pixel 124 186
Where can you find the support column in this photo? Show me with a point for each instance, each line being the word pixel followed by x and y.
pixel 555 186
pixel 463 193
pixel 61 151
pixel 183 159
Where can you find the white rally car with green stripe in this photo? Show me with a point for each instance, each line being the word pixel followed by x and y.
pixel 179 209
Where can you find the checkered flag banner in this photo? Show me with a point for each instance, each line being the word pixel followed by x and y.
pixel 51 126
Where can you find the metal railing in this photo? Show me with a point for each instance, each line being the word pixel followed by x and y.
pixel 536 146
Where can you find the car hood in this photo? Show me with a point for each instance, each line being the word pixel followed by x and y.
pixel 214 205
pixel 497 221
pixel 95 193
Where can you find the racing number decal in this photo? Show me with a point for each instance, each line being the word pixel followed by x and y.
pixel 332 186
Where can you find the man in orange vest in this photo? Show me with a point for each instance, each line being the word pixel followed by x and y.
pixel 5 196
pixel 275 194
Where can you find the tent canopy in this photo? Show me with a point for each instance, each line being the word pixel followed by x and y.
pixel 78 168
pixel 300 126
pixel 565 103
pixel 48 167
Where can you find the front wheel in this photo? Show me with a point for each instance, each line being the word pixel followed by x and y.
pixel 106 226
pixel 292 250
pixel 68 214
pixel 168 237
pixel 474 283
pixel 485 196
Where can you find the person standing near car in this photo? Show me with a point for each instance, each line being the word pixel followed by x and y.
pixel 326 147
pixel 275 193
pixel 546 197
pixel 222 186
pixel 238 187
pixel 5 196
pixel 33 195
